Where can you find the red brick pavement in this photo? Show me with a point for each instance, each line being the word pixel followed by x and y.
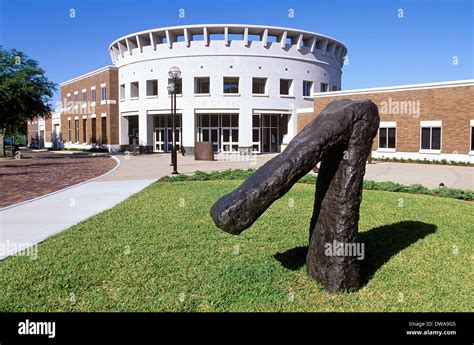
pixel 40 173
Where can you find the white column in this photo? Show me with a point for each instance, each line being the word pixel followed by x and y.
pixel 123 131
pixel 291 127
pixel 188 129
pixel 245 127
pixel 150 130
pixel 143 129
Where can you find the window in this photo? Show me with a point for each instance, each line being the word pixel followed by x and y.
pixel 76 131
pixel 134 90
pixel 324 87
pixel 68 102
pixel 201 85
pixel 221 129
pixel 307 87
pixel 122 92
pixel 179 85
pixel 103 93
pixel 268 131
pixel 152 88
pixel 334 88
pixel 472 135
pixel 231 85
pixel 387 137
pixel 76 99
pixel 84 130
pixel 104 129
pixel 68 130
pixel 431 138
pixel 84 99
pixel 259 86
pixel 285 87
pixel 93 95
pixel 93 129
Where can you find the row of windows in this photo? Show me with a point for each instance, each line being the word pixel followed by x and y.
pixel 222 130
pixel 230 85
pixel 87 137
pixel 430 138
pixel 93 93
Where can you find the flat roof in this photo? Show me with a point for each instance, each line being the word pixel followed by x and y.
pixel 102 69
pixel 444 84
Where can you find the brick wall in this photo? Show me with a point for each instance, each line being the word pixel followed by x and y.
pixel 109 76
pixel 453 105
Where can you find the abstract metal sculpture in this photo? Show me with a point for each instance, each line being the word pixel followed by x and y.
pixel 341 139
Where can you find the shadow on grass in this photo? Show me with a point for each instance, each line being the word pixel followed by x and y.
pixel 381 244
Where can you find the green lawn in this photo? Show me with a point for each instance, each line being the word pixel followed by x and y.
pixel 160 251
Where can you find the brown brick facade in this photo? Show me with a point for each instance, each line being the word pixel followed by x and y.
pixel 453 105
pixel 91 131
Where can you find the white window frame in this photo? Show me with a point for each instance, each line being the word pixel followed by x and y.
pixel 93 102
pixel 122 96
pixel 432 124
pixel 132 98
pixel 387 124
pixel 68 102
pixel 311 90
pixel 265 93
pixel 200 94
pixel 290 89
pixel 157 89
pixel 471 125
pixel 103 100
pixel 83 104
pixel 238 86
pixel 76 100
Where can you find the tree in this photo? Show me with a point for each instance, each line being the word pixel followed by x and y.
pixel 25 91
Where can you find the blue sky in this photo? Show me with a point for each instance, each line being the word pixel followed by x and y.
pixel 384 49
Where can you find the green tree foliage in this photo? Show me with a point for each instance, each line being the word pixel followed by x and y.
pixel 25 91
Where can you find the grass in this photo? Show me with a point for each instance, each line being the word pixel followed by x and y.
pixel 160 251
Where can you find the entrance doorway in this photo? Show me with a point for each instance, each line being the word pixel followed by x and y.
pixel 221 129
pixel 163 133
pixel 268 132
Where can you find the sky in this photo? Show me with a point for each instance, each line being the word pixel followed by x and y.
pixel 390 42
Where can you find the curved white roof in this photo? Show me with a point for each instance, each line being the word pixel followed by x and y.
pixel 283 35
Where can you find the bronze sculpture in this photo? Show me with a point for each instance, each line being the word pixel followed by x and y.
pixel 341 139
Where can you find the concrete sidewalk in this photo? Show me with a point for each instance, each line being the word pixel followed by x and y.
pixel 33 222
pixel 429 175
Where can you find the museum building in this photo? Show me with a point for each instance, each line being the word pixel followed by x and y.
pixel 245 88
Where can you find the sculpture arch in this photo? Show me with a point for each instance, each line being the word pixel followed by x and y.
pixel 341 139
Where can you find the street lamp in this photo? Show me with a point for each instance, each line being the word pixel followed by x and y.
pixel 174 74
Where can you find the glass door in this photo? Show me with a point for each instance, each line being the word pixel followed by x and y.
pixel 160 140
pixel 230 140
pixel 169 138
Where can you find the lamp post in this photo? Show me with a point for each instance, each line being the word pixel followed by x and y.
pixel 174 74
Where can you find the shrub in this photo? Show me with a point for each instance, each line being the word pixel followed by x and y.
pixel 386 186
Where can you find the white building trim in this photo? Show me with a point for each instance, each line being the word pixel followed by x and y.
pixel 410 87
pixel 102 69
